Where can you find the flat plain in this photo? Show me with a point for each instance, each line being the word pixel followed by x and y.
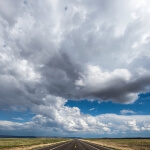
pixel 27 143
pixel 123 144
pixel 35 143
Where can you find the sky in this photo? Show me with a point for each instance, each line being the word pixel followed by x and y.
pixel 75 68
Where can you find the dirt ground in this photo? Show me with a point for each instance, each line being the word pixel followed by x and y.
pixel 32 147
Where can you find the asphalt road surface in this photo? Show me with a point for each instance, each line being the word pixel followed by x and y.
pixel 75 145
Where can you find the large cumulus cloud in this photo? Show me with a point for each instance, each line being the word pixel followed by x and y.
pixel 53 118
pixel 60 42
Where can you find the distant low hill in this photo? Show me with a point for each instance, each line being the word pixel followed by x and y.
pixel 13 136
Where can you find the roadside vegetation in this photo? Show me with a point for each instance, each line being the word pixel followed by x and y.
pixel 123 144
pixel 26 143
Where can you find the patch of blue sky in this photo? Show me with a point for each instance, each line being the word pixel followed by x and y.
pixel 16 116
pixel 139 107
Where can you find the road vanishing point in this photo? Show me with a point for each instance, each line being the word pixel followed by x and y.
pixel 75 145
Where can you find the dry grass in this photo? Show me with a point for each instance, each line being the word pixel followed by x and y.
pixel 124 144
pixel 26 143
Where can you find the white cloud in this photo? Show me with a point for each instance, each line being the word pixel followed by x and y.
pixel 9 125
pixel 127 111
pixel 133 125
pixel 146 127
pixel 18 118
pixel 65 122
pixel 72 120
pixel 54 117
pixel 95 76
pixel 91 109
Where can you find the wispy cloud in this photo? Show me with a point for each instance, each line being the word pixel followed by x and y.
pixel 91 109
pixel 127 111
pixel 18 118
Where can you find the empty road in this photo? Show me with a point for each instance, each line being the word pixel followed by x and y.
pixel 74 145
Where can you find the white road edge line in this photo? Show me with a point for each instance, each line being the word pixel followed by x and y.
pixel 59 146
pixel 91 146
pixel 98 145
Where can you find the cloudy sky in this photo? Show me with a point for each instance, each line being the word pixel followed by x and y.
pixel 75 68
